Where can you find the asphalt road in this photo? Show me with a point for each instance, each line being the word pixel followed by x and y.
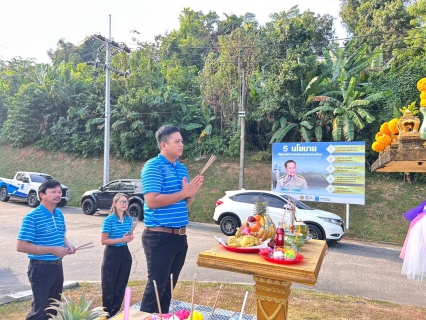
pixel 354 268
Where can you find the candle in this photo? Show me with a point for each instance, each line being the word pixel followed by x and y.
pixel 127 298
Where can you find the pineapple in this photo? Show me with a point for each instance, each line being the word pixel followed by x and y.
pixel 69 310
pixel 260 208
pixel 267 227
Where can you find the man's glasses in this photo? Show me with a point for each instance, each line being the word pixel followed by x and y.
pixel 123 202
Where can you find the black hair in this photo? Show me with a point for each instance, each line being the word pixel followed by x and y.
pixel 163 134
pixel 288 161
pixel 48 184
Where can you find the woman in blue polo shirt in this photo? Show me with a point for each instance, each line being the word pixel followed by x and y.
pixel 117 258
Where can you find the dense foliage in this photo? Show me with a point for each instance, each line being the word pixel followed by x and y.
pixel 296 82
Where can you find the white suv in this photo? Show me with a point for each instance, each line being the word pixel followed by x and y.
pixel 237 205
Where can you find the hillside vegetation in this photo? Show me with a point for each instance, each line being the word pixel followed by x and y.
pixel 380 219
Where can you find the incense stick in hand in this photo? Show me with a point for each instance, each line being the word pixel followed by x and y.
pixel 86 245
pixel 211 160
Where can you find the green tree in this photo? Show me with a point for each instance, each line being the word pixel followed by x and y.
pixel 416 37
pixel 384 23
pixel 289 70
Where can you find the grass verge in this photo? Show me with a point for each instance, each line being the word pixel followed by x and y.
pixel 303 304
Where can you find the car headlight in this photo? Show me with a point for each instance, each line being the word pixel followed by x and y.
pixel 331 220
pixel 68 193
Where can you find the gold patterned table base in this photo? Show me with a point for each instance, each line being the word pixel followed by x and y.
pixel 271 298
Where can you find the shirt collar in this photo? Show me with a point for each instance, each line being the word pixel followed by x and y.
pixel 47 212
pixel 163 159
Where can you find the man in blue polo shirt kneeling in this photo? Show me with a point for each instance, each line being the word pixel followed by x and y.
pixel 167 191
pixel 42 237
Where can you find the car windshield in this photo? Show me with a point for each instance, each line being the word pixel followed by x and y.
pixel 40 177
pixel 299 204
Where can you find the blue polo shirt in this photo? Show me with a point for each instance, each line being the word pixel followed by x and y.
pixel 159 175
pixel 43 228
pixel 116 229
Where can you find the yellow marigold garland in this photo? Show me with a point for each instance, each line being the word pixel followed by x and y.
pixel 385 129
pixel 383 142
pixel 375 147
pixel 421 84
pixel 393 126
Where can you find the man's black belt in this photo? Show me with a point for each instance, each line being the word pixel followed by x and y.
pixel 179 231
pixel 57 262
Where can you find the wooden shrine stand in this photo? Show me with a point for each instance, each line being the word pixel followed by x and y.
pixel 272 281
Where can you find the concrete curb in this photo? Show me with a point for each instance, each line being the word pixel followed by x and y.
pixel 28 294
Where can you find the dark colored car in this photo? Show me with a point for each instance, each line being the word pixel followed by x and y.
pixel 94 200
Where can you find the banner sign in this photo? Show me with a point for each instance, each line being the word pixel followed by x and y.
pixel 320 171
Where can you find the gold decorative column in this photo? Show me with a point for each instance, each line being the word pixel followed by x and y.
pixel 271 298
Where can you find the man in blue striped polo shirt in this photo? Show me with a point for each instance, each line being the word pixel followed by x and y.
pixel 42 237
pixel 168 191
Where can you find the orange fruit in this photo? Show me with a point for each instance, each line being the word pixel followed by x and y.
pixel 255 226
pixel 258 217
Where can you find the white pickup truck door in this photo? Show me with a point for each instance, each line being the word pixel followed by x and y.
pixel 21 187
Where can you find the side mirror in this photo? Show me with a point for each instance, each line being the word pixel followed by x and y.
pixel 25 180
pixel 101 188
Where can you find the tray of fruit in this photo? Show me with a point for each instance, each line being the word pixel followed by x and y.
pixel 280 255
pixel 246 245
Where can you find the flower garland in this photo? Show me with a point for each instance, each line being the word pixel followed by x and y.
pixel 389 130
pixel 384 136
pixel 421 86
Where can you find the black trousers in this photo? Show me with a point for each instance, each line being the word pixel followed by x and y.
pixel 115 275
pixel 165 254
pixel 46 283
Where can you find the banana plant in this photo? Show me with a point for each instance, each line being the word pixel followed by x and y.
pixel 349 107
pixel 200 118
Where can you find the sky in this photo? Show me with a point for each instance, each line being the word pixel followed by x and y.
pixel 29 28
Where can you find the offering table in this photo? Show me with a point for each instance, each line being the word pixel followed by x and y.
pixel 272 281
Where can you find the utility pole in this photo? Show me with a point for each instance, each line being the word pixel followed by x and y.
pixel 107 108
pixel 242 114
pixel 113 46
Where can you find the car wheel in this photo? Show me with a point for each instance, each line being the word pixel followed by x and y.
pixel 88 206
pixel 135 210
pixel 32 200
pixel 229 225
pixel 3 194
pixel 315 232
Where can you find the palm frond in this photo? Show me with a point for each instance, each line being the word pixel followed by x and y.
pixel 318 109
pixel 280 134
pixel 365 115
pixel 318 133
pixel 379 95
pixel 306 124
pixel 348 129
pixel 357 103
pixel 356 119
pixel 305 134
